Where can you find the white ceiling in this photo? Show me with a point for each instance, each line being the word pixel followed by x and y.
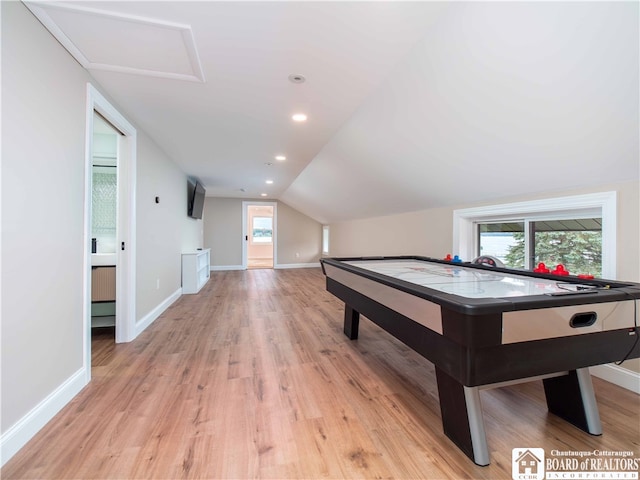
pixel 411 105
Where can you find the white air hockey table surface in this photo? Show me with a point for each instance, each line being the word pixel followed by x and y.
pixel 467 282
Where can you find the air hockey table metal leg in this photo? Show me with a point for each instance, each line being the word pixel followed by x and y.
pixel 476 426
pixel 572 398
pixel 462 419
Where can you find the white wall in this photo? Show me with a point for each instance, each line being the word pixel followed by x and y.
pixel 427 232
pixel 496 99
pixel 223 231
pixel 299 237
pixel 164 230
pixel 43 145
pixel 43 148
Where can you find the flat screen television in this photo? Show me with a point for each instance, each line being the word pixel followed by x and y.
pixel 195 199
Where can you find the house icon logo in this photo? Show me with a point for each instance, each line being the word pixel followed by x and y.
pixel 527 463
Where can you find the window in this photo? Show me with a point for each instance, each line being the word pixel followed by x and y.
pixel 575 243
pixel 578 231
pixel 500 240
pixel 325 239
pixel 262 230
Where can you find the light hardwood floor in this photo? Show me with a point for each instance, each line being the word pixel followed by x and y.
pixel 260 263
pixel 253 378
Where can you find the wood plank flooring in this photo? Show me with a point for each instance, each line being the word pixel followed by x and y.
pixel 253 378
pixel 259 262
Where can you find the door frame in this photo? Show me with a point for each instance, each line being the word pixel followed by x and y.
pixel 245 233
pixel 126 222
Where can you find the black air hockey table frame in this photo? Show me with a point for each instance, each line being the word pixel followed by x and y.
pixel 469 340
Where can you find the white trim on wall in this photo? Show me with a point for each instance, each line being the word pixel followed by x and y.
pixel 224 268
pixel 22 431
pixel 126 260
pixel 618 376
pixel 151 317
pixel 245 233
pixel 298 265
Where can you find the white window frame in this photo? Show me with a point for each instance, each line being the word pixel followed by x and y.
pixel 602 205
pixel 251 237
pixel 325 239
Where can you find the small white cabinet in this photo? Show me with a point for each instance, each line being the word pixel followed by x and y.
pixel 195 270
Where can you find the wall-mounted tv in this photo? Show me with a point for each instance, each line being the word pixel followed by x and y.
pixel 195 198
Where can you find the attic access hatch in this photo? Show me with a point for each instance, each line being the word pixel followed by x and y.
pixel 103 40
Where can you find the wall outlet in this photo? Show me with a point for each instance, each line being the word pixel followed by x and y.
pixel 157 284
pixel 297 255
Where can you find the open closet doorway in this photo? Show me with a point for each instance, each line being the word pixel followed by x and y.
pixel 259 232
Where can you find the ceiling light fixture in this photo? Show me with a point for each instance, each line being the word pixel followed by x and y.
pixel 269 182
pixel 281 158
pixel 263 194
pixel 297 78
pixel 299 117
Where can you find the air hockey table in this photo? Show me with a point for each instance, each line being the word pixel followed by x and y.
pixel 485 327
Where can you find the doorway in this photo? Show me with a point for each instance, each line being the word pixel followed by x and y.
pixel 259 233
pixel 109 248
pixel 104 232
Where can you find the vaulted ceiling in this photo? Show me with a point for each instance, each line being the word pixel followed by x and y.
pixel 410 105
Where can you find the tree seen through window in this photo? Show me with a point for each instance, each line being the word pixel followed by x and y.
pixel 575 243
pixel 262 231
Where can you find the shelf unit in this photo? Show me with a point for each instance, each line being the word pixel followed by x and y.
pixel 103 296
pixel 195 270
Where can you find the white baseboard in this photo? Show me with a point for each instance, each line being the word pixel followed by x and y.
pixel 298 265
pixel 618 376
pixel 24 429
pixel 226 267
pixel 279 266
pixel 150 317
pixel 20 433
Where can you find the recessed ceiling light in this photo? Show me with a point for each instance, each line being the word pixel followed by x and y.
pixel 299 117
pixel 280 158
pixel 263 194
pixel 269 182
pixel 296 78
